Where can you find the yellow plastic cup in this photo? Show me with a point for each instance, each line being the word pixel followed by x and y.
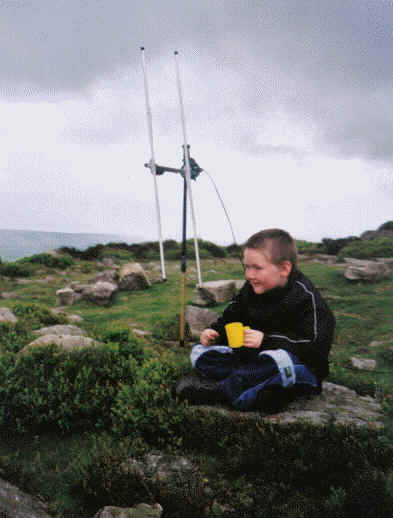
pixel 235 334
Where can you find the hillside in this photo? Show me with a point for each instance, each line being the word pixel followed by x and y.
pixel 15 244
pixel 68 421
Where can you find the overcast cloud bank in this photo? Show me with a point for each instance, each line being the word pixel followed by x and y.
pixel 288 107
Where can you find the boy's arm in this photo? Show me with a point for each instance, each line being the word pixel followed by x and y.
pixel 312 338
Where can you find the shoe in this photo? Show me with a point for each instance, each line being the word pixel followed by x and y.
pixel 273 399
pixel 200 391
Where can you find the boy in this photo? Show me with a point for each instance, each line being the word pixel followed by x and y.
pixel 286 347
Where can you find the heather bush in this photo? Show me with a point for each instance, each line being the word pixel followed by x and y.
pixel 147 407
pixel 52 261
pixel 16 269
pixel 49 388
pixel 307 247
pixel 36 315
pixel 333 246
pixel 91 253
pixel 368 249
pixel 125 339
pixel 388 225
pixel 13 337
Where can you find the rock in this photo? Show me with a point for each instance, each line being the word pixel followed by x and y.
pixel 133 277
pixel 14 503
pixel 81 291
pixel 69 330
pixel 60 310
pixel 141 332
pixel 335 405
pixel 53 253
pixel 215 292
pixel 324 259
pixel 363 363
pixel 74 318
pixel 386 260
pixel 46 280
pixel 102 292
pixel 375 343
pixel 65 342
pixel 6 315
pixel 65 297
pixel 172 478
pixel 107 276
pixel 198 319
pixel 139 511
pixel 109 262
pixel 9 295
pixel 358 269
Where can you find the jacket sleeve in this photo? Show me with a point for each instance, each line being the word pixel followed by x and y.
pixel 311 339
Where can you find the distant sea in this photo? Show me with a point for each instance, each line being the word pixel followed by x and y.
pixel 15 244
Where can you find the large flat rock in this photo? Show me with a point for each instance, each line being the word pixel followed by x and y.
pixel 14 503
pixel 336 405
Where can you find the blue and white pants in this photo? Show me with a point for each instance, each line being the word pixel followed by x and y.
pixel 242 373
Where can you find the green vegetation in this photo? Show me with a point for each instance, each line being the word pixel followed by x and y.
pixel 386 226
pixel 69 419
pixel 28 265
pixel 368 249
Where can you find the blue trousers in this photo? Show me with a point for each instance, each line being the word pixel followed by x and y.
pixel 243 372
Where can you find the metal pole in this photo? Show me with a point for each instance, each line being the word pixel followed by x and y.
pixel 183 265
pixel 153 163
pixel 188 169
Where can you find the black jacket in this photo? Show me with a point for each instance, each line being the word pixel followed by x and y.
pixel 295 318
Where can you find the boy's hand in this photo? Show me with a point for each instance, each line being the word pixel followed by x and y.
pixel 208 336
pixel 253 338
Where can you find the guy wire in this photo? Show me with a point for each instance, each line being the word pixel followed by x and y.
pixel 225 210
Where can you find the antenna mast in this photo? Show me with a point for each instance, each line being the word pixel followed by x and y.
pixel 153 162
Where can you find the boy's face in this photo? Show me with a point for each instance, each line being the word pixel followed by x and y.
pixel 262 274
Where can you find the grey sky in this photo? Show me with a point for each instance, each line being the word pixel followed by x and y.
pixel 288 106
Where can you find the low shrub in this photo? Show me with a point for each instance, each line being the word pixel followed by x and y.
pixel 215 250
pixel 234 250
pixel 47 387
pixel 91 253
pixel 333 246
pixel 368 249
pixel 307 247
pixel 13 337
pixel 125 339
pixel 297 471
pixel 35 315
pixel 97 481
pixel 388 225
pixel 169 329
pixel 16 269
pixel 116 253
pixel 147 408
pixel 52 261
pixel 170 244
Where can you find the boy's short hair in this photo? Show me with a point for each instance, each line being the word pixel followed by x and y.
pixel 278 243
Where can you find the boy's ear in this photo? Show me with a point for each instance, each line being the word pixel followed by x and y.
pixel 286 268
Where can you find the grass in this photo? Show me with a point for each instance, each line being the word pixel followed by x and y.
pixel 60 468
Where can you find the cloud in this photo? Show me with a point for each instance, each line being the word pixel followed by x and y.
pixel 281 98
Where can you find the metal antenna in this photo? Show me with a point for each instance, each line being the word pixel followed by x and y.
pixel 152 162
pixel 188 168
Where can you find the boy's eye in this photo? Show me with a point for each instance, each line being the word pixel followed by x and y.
pixel 253 266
